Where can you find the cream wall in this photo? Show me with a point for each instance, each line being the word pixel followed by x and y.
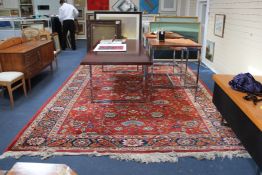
pixel 241 48
pixel 192 8
pixel 53 7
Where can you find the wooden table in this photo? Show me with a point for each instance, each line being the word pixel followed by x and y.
pixel 243 116
pixel 135 55
pixel 181 42
pixel 155 44
pixel 24 168
pixel 168 35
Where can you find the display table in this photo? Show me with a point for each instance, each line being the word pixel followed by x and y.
pixel 23 168
pixel 243 116
pixel 154 45
pixel 168 35
pixel 134 55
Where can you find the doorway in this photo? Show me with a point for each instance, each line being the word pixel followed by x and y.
pixel 202 13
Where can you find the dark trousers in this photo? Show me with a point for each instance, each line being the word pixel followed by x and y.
pixel 69 25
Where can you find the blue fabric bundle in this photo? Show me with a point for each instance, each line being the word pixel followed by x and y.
pixel 245 82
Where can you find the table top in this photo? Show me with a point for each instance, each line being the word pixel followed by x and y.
pixel 25 47
pixel 135 55
pixel 168 35
pixel 24 168
pixel 254 112
pixel 181 42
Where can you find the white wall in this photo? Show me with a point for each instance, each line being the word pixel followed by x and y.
pixel 192 7
pixel 186 7
pixel 53 7
pixel 11 4
pixel 241 48
pixel 183 9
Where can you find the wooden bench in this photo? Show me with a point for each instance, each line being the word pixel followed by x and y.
pixel 243 116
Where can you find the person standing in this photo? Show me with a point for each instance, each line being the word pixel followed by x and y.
pixel 67 14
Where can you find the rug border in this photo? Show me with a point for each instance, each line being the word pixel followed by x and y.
pixel 170 156
pixel 151 157
pixel 39 110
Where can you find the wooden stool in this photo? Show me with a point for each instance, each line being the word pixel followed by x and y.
pixel 7 79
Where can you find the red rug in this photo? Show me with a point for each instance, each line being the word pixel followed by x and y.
pixel 169 125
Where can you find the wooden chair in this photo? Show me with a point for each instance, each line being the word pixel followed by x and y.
pixel 7 79
pixel 31 33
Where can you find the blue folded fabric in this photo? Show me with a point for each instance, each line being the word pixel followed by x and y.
pixel 245 82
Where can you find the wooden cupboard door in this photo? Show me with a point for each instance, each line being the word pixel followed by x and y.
pixel 12 62
pixel 32 63
pixel 47 54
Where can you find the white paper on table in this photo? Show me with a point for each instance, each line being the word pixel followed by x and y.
pixel 110 48
pixel 106 41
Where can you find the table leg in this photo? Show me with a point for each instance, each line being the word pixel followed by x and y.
pixel 147 86
pixel 144 76
pixel 198 68
pixel 91 84
pixel 185 76
pixel 174 61
pixel 152 68
pixel 51 67
pixel 181 63
pixel 29 84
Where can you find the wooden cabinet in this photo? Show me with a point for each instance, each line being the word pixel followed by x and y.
pixel 29 58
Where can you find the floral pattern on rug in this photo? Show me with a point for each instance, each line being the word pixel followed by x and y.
pixel 170 122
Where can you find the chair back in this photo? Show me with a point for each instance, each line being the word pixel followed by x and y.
pixel 31 33
pixel 55 39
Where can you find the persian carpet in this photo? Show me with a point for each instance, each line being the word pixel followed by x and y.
pixel 171 124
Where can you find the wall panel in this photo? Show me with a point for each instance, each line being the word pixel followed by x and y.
pixel 240 50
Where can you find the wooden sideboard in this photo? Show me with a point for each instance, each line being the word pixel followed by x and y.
pixel 28 57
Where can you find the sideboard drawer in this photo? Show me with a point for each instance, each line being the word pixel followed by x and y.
pixel 31 57
pixel 33 70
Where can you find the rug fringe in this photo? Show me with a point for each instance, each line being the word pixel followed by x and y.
pixel 141 157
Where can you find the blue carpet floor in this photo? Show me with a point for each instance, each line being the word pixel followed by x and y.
pixel 46 83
